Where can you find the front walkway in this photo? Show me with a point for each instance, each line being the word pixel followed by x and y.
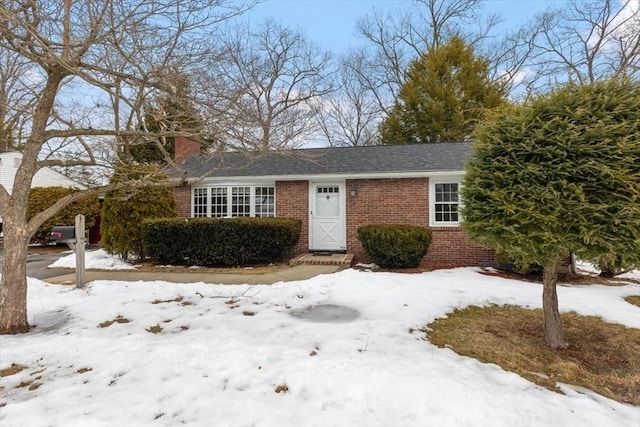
pixel 297 272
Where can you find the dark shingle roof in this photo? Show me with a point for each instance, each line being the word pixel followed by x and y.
pixel 379 159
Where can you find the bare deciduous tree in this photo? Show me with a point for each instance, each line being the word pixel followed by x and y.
pixel 269 77
pixel 586 42
pixel 16 98
pixel 94 63
pixel 350 115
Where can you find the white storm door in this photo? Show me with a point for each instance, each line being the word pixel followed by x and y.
pixel 327 217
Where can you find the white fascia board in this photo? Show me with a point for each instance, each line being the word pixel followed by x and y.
pixel 325 177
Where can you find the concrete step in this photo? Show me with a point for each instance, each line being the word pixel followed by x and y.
pixel 342 260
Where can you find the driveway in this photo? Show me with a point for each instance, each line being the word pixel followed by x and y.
pixel 38 260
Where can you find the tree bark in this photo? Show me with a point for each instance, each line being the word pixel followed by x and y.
pixel 552 321
pixel 13 285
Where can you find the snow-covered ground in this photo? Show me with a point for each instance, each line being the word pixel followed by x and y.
pixel 333 350
pixel 97 259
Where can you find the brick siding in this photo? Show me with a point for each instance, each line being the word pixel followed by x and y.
pixel 377 201
pixel 183 200
pixel 451 247
pixel 292 201
pixel 384 201
pixel 406 201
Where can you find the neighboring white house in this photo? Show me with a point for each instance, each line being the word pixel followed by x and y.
pixel 45 177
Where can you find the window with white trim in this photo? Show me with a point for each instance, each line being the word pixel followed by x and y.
pixel 240 201
pixel 225 201
pixel 444 202
pixel 219 202
pixel 265 202
pixel 200 202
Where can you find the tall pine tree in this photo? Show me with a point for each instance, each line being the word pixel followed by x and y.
pixel 446 93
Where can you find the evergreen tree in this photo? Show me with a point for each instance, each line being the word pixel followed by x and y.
pixel 123 211
pixel 559 174
pixel 446 94
pixel 171 112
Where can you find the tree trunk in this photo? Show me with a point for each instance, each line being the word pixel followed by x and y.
pixel 13 285
pixel 552 321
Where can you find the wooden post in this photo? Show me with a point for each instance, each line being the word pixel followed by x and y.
pixel 79 249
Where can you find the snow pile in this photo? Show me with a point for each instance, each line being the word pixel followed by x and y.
pixel 338 349
pixel 97 260
pixel 584 267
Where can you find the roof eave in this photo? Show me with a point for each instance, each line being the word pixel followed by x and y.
pixel 329 176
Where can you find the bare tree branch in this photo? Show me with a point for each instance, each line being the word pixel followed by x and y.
pixel 270 76
pixel 586 41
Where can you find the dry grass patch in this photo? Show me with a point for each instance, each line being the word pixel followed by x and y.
pixel 633 299
pixel 282 388
pixel 601 356
pixel 31 385
pixel 163 301
pixel 118 319
pixel 12 370
pixel 156 329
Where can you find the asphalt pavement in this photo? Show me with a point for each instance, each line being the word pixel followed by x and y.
pixel 37 262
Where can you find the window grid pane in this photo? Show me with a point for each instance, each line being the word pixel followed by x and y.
pixel 218 202
pixel 240 201
pixel 200 202
pixel 265 201
pixel 446 202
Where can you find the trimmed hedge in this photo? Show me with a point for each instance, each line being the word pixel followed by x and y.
pixel 40 198
pixel 211 242
pixel 395 245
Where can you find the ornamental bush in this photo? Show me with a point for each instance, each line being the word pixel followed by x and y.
pixel 40 198
pixel 395 245
pixel 212 242
pixel 559 174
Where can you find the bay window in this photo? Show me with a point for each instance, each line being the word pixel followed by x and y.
pixel 226 201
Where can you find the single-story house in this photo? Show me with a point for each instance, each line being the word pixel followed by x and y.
pixel 336 190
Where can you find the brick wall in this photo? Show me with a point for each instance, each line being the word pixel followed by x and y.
pixel 451 247
pixel 406 201
pixel 292 201
pixel 183 199
pixel 384 201
pixel 378 201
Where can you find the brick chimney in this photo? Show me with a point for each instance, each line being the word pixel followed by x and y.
pixel 185 147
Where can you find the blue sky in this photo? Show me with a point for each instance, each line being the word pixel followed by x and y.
pixel 331 23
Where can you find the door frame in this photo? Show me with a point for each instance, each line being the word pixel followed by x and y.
pixel 343 212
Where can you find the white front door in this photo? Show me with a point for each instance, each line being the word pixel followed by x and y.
pixel 327 222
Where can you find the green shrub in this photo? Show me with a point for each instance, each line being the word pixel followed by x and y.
pixel 395 245
pixel 40 198
pixel 123 211
pixel 219 241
